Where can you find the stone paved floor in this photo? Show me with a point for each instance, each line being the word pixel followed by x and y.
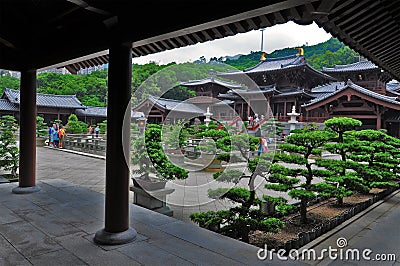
pixel 56 226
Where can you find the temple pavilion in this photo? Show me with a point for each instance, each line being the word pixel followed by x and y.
pixel 283 82
pixel 360 90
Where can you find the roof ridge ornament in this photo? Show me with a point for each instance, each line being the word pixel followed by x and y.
pixel 349 82
pixel 263 56
pixel 301 51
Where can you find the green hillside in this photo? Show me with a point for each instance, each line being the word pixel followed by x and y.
pixel 325 54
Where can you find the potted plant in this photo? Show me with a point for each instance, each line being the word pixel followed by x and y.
pixel 152 165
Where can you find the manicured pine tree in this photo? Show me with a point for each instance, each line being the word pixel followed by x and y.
pixel 297 181
pixel 41 127
pixel 247 214
pixel 148 155
pixel 378 156
pixel 9 152
pixel 341 181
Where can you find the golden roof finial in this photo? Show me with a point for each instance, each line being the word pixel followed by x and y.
pixel 263 56
pixel 301 51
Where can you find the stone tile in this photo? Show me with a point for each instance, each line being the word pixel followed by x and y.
pixel 152 218
pixel 223 245
pixel 193 253
pixel 92 254
pixel 59 258
pixel 49 224
pixel 8 216
pixel 9 255
pixel 27 239
pixel 149 254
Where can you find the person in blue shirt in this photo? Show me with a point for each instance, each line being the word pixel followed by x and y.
pixel 51 141
pixel 56 138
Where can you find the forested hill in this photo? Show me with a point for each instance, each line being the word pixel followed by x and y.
pixel 156 79
pixel 325 54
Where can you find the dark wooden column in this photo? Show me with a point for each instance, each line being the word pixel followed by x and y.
pixel 117 230
pixel 27 140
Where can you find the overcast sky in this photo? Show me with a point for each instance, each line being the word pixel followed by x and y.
pixel 277 37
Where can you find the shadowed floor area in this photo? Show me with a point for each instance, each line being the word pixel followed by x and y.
pixel 56 227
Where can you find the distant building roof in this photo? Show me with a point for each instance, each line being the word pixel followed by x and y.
pixel 393 86
pixel 211 80
pixel 350 84
pixel 276 65
pixel 94 111
pixel 294 92
pixel 362 65
pixel 237 93
pixel 5 105
pixel 175 105
pixel 329 87
pixel 46 100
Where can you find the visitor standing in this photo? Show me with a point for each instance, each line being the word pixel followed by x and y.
pixel 61 135
pixel 260 147
pixel 97 131
pixel 51 141
pixel 56 138
pixel 264 145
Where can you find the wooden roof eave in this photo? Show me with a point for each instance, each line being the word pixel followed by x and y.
pixel 355 93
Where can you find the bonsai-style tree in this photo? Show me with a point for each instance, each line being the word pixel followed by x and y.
pixel 297 181
pixel 247 214
pixel 148 155
pixel 174 136
pixel 273 128
pixel 378 154
pixel 103 126
pixel 74 125
pixel 341 179
pixel 41 127
pixel 9 152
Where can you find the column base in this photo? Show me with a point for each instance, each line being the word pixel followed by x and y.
pixel 103 237
pixel 25 190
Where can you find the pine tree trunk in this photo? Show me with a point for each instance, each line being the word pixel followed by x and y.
pixel 340 201
pixel 303 211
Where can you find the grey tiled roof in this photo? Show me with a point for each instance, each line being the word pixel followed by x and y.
pixel 47 100
pixel 329 87
pixel 5 105
pixel 393 86
pixel 360 89
pixel 273 65
pixel 240 92
pixel 277 63
pixel 362 65
pixel 176 106
pixel 208 80
pixel 94 111
pixel 224 103
pixel 294 92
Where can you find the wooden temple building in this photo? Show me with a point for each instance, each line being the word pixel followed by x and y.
pixel 271 88
pixel 51 107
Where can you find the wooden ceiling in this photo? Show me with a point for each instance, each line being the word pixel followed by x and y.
pixel 77 33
